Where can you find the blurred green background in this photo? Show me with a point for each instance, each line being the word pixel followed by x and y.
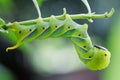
pixel 56 59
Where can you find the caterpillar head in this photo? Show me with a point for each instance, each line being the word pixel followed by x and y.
pixel 100 58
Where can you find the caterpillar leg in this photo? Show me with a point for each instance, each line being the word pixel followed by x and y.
pixel 13 47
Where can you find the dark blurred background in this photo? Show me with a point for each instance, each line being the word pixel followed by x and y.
pixel 56 59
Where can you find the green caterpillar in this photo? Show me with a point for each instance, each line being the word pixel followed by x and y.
pixel 95 57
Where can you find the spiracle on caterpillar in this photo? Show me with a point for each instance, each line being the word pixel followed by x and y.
pixel 94 56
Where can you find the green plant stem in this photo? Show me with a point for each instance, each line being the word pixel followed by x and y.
pixel 74 17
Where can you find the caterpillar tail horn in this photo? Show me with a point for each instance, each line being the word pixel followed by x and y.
pixel 13 47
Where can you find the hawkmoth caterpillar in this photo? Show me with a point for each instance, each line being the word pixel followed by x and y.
pixel 95 57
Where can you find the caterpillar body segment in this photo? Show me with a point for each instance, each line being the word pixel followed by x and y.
pixel 41 27
pixel 59 26
pixel 20 31
pixel 54 25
